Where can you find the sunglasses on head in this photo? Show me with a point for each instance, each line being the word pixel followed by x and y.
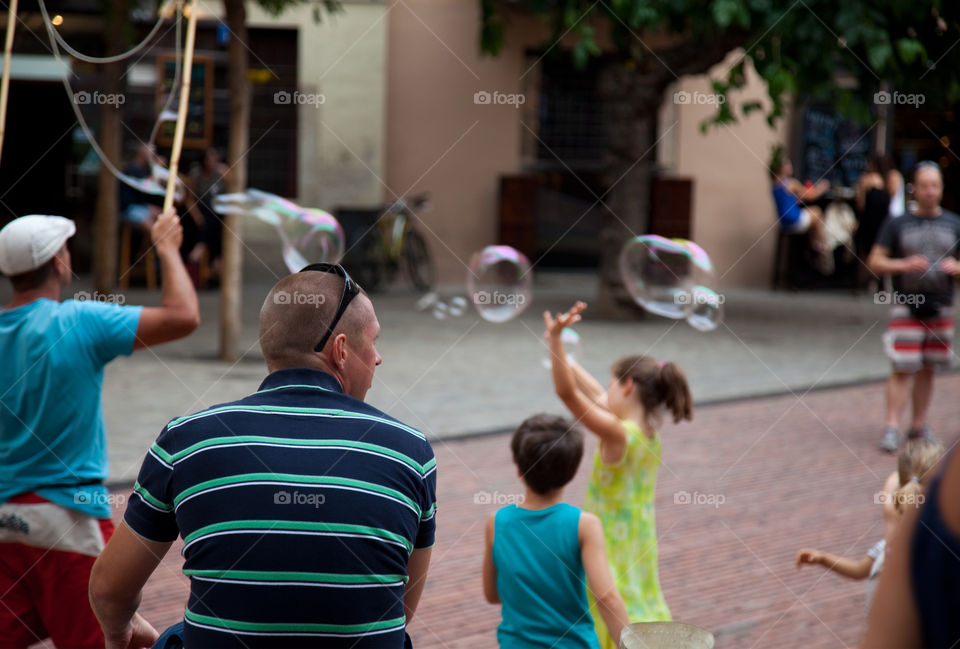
pixel 350 290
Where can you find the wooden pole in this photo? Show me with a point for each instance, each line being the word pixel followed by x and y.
pixel 231 267
pixel 185 75
pixel 5 82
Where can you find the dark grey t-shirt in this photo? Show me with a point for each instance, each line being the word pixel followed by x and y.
pixel 936 238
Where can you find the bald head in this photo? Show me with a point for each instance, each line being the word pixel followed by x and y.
pixel 295 316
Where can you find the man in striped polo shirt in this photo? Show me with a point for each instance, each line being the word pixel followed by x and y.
pixel 307 515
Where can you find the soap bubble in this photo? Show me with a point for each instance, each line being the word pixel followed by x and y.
pixel 658 274
pixel 307 235
pixel 571 344
pixel 706 309
pixel 499 283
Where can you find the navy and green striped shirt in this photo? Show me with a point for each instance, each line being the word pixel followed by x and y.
pixel 299 507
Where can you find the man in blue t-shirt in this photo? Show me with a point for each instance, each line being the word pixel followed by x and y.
pixel 919 250
pixel 54 511
pixel 307 515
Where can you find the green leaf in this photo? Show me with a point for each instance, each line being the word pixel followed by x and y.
pixel 728 12
pixel 909 49
pixel 879 54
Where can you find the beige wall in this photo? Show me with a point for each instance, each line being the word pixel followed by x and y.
pixel 399 117
pixel 343 58
pixel 733 213
pixel 342 140
pixel 438 139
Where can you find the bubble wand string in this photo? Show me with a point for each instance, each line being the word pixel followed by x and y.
pixel 151 188
pixel 184 101
pixel 5 83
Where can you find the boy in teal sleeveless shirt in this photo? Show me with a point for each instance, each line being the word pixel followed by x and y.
pixel 542 555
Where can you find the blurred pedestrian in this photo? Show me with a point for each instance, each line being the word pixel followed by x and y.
pixel 920 251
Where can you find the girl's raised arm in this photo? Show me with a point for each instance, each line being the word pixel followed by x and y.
pixel 585 410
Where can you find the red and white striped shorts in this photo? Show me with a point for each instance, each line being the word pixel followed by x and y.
pixel 913 343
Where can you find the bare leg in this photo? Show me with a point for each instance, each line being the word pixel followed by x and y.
pixel 897 386
pixel 922 392
pixel 818 234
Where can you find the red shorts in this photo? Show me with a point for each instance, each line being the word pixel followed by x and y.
pixel 913 343
pixel 43 593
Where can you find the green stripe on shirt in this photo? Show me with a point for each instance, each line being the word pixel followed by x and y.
pixel 291 441
pixel 293 577
pixel 299 526
pixel 147 496
pixel 291 627
pixel 294 479
pixel 291 410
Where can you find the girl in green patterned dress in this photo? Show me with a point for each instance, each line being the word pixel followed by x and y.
pixel 621 488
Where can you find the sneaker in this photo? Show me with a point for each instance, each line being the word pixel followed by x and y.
pixel 890 440
pixel 923 432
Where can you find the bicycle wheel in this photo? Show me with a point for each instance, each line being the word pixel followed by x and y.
pixel 420 266
pixel 368 266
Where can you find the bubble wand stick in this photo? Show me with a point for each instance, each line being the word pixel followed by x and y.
pixel 190 12
pixel 5 82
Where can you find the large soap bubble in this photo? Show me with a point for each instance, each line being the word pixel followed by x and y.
pixel 672 278
pixel 499 283
pixel 658 274
pixel 308 235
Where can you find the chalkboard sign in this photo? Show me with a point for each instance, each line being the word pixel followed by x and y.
pixel 198 133
pixel 832 147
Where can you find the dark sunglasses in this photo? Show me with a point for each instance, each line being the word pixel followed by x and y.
pixel 350 290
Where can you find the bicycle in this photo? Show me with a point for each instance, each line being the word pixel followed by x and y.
pixel 393 241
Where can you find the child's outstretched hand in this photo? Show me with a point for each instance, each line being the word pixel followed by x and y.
pixel 555 326
pixel 812 557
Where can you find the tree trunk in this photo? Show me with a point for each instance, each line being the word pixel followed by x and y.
pixel 231 269
pixel 631 101
pixel 106 222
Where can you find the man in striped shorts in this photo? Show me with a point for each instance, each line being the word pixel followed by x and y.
pixel 920 250
pixel 307 516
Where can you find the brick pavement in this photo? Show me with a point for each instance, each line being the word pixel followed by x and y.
pixel 793 472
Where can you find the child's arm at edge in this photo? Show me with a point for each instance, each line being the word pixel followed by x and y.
pixel 600 581
pixel 489 569
pixel 852 568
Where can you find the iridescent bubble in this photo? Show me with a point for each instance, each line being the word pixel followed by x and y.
pixel 706 309
pixel 307 235
pixel 571 344
pixel 658 274
pixel 698 255
pixel 316 235
pixel 499 283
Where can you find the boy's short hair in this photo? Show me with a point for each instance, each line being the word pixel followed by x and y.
pixel 547 449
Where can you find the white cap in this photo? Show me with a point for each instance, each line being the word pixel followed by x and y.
pixel 27 243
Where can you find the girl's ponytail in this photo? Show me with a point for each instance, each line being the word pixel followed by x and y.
pixel 658 385
pixel 675 392
pixel 908 495
pixel 916 461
